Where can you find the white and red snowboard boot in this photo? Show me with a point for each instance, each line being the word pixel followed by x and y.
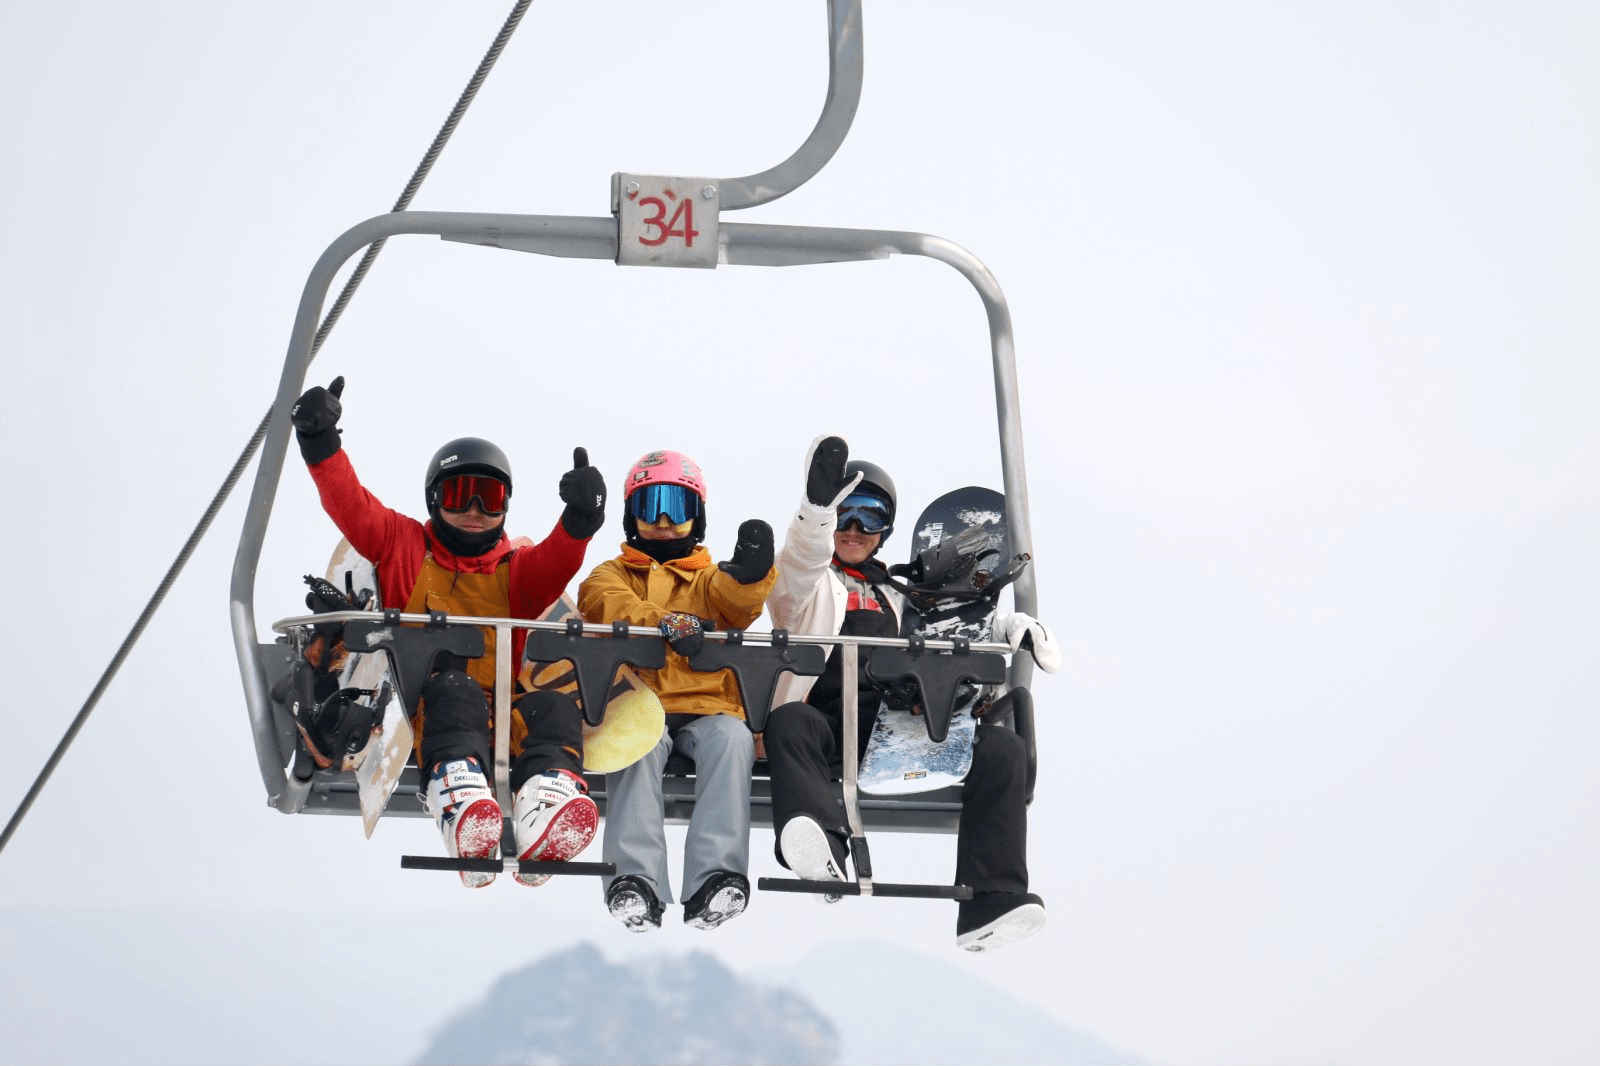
pixel 553 819
pixel 464 808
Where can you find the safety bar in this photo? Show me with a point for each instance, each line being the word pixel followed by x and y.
pixel 756 658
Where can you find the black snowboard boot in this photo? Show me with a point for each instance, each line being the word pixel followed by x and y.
pixel 633 902
pixel 722 897
pixel 991 919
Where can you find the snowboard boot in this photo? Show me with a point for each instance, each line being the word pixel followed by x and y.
pixel 991 919
pixel 811 852
pixel 633 902
pixel 722 898
pixel 464 808
pixel 553 819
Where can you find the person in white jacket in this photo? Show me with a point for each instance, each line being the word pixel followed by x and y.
pixel 830 581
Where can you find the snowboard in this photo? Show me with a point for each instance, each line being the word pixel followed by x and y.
pixel 385 756
pixel 633 722
pixel 634 718
pixel 970 524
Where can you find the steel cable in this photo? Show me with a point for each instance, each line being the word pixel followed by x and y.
pixel 418 176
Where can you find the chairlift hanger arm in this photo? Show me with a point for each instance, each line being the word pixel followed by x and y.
pixel 845 74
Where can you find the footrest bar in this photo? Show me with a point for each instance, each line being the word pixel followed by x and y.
pixel 820 888
pixel 850 888
pixel 495 866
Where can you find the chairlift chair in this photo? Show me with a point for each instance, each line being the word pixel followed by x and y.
pixel 641 232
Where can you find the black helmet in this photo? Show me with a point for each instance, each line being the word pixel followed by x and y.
pixel 876 480
pixel 465 455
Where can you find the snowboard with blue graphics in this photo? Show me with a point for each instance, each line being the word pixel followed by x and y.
pixel 970 523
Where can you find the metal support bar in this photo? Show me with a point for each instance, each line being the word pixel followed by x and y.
pixel 502 717
pixel 851 712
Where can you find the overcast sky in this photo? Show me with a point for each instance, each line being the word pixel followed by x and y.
pixel 1304 299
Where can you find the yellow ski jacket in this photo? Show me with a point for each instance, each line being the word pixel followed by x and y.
pixel 636 589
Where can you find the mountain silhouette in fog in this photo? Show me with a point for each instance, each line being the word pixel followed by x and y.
pixel 575 1007
pixel 859 1002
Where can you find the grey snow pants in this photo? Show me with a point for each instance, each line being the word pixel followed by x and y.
pixel 718 838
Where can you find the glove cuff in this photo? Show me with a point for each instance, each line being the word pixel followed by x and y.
pixel 317 447
pixel 581 525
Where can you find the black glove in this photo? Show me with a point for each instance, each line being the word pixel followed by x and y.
pixel 315 417
pixel 685 632
pixel 752 555
pixel 827 484
pixel 325 596
pixel 583 490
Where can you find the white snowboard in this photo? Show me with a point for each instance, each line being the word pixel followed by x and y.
pixel 379 772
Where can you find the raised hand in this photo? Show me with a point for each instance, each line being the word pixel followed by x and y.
pixel 752 553
pixel 827 484
pixel 583 490
pixel 315 417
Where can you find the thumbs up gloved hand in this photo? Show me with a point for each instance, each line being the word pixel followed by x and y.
pixel 315 417
pixel 1023 631
pixel 752 554
pixel 827 484
pixel 583 490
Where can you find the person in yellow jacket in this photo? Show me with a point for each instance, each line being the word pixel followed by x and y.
pixel 665 578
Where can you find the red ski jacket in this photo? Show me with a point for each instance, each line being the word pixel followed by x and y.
pixel 397 545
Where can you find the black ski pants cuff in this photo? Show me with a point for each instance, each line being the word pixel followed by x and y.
pixel 456 723
pixel 803 760
pixel 992 841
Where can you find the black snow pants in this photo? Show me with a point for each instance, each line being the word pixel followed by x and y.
pixel 455 722
pixel 803 757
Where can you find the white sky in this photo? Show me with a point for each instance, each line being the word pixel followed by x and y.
pixel 1305 309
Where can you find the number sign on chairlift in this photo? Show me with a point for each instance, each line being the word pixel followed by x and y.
pixel 664 221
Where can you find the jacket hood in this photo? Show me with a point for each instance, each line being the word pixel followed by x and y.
pixel 634 559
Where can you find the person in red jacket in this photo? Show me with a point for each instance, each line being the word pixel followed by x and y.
pixel 461 562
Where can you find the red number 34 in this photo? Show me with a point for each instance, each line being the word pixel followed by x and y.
pixel 681 224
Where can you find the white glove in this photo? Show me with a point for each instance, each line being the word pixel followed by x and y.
pixel 1025 631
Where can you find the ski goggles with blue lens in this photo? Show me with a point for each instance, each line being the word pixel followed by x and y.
pixel 678 503
pixel 868 512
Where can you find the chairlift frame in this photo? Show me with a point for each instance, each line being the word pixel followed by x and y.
pixel 263 664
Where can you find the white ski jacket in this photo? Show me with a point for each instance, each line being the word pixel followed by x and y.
pixel 810 596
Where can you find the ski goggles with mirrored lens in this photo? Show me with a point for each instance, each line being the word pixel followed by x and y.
pixel 868 512
pixel 677 502
pixel 457 493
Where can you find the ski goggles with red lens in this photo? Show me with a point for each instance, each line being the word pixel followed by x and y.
pixel 678 502
pixel 868 512
pixel 456 494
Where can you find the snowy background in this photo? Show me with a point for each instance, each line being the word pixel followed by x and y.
pixel 1306 324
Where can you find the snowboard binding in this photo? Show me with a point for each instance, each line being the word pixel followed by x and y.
pixel 966 567
pixel 335 723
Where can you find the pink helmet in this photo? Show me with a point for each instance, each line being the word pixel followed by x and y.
pixel 665 468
